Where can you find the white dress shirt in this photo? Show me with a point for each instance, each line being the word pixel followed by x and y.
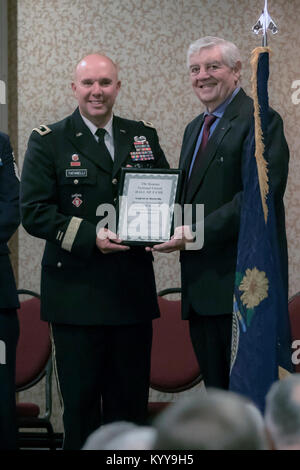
pixel 109 137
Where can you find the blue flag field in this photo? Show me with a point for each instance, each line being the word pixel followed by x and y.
pixel 261 341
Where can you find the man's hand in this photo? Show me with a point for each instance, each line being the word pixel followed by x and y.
pixel 182 235
pixel 108 242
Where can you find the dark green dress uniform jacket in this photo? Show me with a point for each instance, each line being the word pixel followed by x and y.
pixel 9 221
pixel 80 285
pixel 208 274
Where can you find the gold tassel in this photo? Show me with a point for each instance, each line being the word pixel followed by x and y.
pixel 262 166
pixel 283 373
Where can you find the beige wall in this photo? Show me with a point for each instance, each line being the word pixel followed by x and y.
pixel 148 39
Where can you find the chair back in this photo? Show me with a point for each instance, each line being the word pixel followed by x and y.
pixel 34 345
pixel 294 314
pixel 174 367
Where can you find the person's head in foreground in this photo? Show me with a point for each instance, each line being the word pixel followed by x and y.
pixel 121 435
pixel 282 413
pixel 217 420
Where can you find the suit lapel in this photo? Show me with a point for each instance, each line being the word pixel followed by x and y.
pixel 188 152
pixel 221 130
pixel 208 155
pixel 189 148
pixel 83 140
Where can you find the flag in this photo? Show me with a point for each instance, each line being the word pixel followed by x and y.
pixel 261 342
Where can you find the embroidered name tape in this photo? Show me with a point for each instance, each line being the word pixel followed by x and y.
pixel 82 173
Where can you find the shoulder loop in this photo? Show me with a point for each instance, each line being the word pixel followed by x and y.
pixel 147 124
pixel 42 130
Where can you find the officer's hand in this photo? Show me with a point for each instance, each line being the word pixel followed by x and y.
pixel 182 235
pixel 108 242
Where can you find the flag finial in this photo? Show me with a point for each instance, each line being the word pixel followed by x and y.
pixel 265 23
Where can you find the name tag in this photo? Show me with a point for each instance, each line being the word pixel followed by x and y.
pixel 80 173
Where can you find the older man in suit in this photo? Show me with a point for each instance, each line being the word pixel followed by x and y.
pixel 211 156
pixel 9 326
pixel 98 294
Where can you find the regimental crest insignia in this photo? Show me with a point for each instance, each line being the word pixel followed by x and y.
pixel 75 160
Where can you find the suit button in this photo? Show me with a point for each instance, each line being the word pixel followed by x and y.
pixel 59 264
pixel 115 200
pixel 76 181
pixel 115 181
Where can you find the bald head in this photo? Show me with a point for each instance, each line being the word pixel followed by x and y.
pixel 93 60
pixel 96 86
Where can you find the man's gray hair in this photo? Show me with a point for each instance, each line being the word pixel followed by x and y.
pixel 216 420
pixel 282 413
pixel 230 53
pixel 121 435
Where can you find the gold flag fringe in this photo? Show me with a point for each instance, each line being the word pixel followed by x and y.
pixel 262 166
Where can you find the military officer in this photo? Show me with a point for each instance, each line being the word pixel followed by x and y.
pixel 98 294
pixel 9 327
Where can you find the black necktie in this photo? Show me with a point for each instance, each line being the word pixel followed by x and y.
pixel 208 121
pixel 100 133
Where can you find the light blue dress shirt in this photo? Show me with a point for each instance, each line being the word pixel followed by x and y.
pixel 218 112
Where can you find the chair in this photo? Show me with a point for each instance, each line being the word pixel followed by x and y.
pixel 33 363
pixel 294 314
pixel 174 367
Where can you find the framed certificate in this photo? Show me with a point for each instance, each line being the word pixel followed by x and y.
pixel 147 198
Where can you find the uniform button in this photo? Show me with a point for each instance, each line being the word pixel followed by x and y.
pixel 76 181
pixel 115 181
pixel 59 264
pixel 115 199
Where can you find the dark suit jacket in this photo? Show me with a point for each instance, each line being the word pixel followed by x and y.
pixel 208 274
pixel 9 221
pixel 79 284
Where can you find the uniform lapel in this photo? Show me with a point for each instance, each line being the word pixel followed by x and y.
pixel 83 140
pixel 123 140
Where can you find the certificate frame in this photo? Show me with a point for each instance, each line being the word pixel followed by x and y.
pixel 147 198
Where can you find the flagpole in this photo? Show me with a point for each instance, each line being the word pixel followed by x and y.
pixel 265 26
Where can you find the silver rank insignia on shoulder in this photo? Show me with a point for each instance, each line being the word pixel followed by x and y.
pixel 147 123
pixel 42 130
